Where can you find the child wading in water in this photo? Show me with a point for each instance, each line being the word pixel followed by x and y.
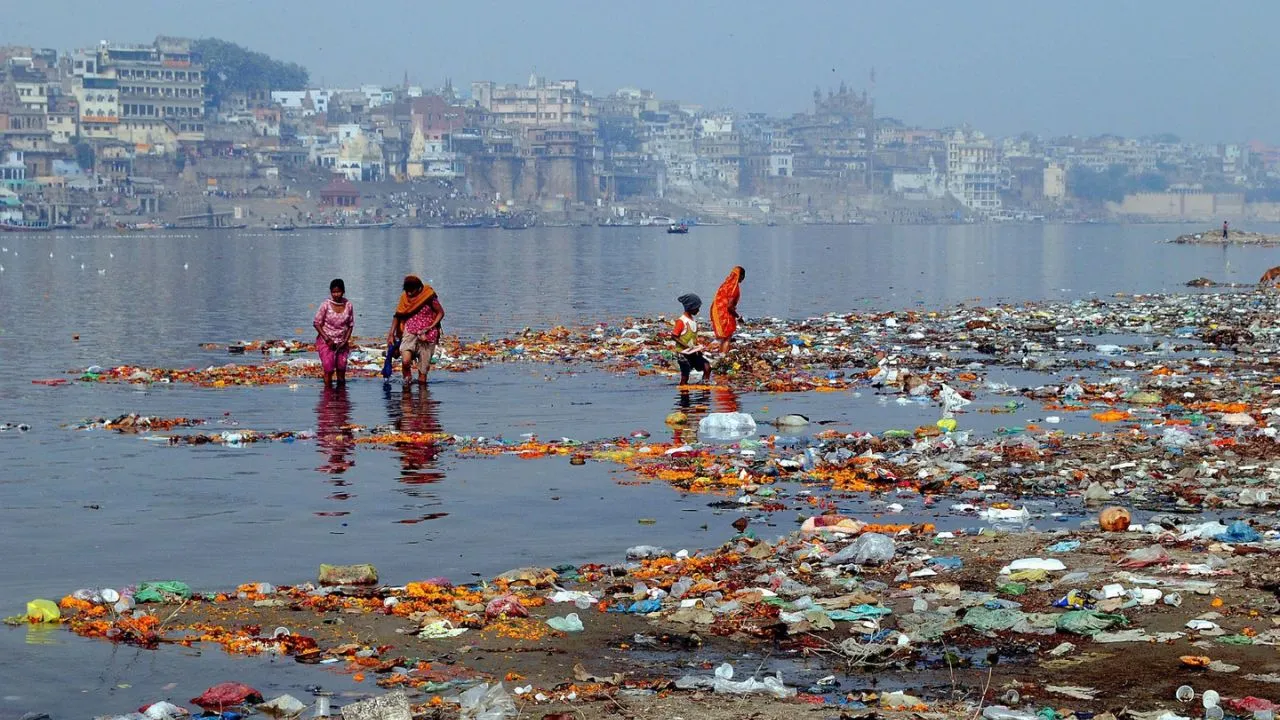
pixel 334 323
pixel 688 349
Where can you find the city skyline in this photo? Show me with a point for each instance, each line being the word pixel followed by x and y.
pixel 998 66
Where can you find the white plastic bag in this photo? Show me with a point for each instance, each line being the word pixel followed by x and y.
pixel 487 702
pixel 951 401
pixel 727 426
pixel 568 623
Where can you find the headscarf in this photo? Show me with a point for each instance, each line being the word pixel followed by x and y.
pixel 724 308
pixel 409 306
pixel 692 303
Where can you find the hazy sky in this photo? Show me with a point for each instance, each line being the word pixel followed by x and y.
pixel 1202 70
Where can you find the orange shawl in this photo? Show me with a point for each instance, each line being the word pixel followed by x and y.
pixel 724 309
pixel 409 306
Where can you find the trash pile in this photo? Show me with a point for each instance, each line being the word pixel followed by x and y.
pixel 1234 237
pixel 1126 508
pixel 1169 457
pixel 855 597
pixel 134 423
pixel 910 351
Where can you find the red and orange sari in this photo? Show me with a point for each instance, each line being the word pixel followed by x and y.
pixel 724 309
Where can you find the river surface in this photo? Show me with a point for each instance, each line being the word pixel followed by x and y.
pixel 96 509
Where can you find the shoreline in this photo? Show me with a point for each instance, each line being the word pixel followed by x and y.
pixel 1206 237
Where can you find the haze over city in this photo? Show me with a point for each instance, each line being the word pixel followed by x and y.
pixel 1193 69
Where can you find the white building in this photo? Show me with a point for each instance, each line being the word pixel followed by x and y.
pixel 973 171
pixel 13 171
pixel 432 158
pixel 925 185
pixel 306 102
pixel 360 160
pixel 377 96
pixel 539 103
pixel 1055 182
pixel 98 99
pixel 781 164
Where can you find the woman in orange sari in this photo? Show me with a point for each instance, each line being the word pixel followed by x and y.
pixel 724 309
pixel 416 324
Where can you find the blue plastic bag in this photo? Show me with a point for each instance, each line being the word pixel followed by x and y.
pixel 640 607
pixel 1239 532
pixel 392 351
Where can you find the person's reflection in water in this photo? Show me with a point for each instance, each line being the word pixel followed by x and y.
pixel 412 411
pixel 724 400
pixel 694 404
pixel 333 431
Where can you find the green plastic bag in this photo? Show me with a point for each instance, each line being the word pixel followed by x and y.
pixel 1013 588
pixel 162 591
pixel 986 619
pixel 43 611
pixel 1088 622
pixel 1235 640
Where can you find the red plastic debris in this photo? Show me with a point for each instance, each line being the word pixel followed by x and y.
pixel 225 695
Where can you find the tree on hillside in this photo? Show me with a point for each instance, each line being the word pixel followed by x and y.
pixel 232 68
pixel 1112 184
pixel 84 156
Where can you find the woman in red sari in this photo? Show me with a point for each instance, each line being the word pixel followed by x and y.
pixel 724 309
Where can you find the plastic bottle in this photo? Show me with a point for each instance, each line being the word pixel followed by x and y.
pixel 681 587
pixel 1210 699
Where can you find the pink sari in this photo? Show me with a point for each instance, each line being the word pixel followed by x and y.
pixel 334 325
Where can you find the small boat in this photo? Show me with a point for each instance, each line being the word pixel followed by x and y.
pixel 674 229
pixel 459 224
pixel 138 227
pixel 350 226
pixel 25 226
pixel 284 228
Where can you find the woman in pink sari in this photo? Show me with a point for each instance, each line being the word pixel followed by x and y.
pixel 334 323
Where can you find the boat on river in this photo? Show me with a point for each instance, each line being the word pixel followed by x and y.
pixel 25 226
pixel 348 226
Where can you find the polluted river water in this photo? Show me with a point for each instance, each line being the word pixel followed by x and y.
pixel 92 508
